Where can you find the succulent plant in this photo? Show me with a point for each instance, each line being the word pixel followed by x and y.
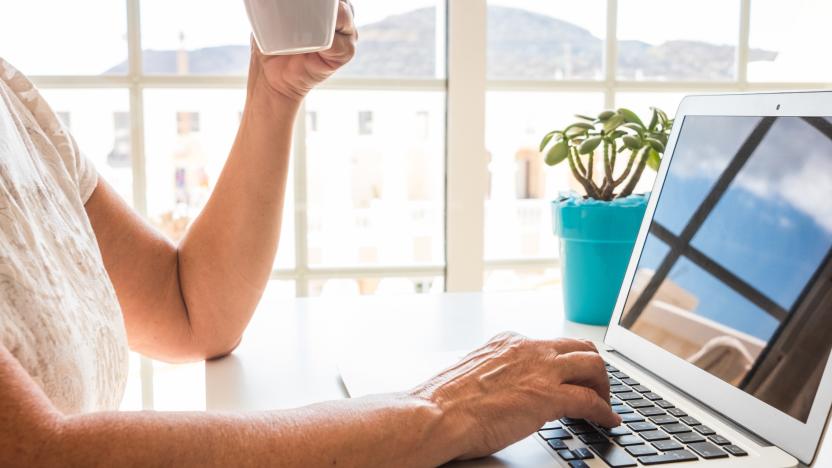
pixel 583 143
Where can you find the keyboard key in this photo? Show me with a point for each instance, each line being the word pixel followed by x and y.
pixel 557 444
pixel 614 381
pixel 628 395
pixel 552 425
pixel 615 401
pixel 677 412
pixel 652 396
pixel 630 381
pixel 618 431
pixel 667 445
pixel 690 421
pixel 619 389
pixel 641 388
pixel 631 418
pixel 719 440
pixel 610 368
pixel 642 426
pixel 571 422
pixel 582 429
pixel 689 438
pixel 663 404
pixel 676 428
pixel 566 454
pixel 620 375
pixel 583 453
pixel 735 451
pixel 578 464
pixel 652 436
pixel 641 450
pixel 640 403
pixel 595 438
pixel 663 419
pixel 622 409
pixel 704 430
pixel 554 434
pixel 668 457
pixel 613 455
pixel 707 450
pixel 651 411
pixel 628 440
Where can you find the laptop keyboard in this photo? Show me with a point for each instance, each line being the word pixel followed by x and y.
pixel 653 432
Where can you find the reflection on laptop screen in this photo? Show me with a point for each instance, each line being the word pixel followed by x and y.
pixel 736 273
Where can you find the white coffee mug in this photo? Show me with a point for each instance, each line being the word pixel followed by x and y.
pixel 286 27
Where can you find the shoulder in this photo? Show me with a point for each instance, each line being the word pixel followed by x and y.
pixel 28 101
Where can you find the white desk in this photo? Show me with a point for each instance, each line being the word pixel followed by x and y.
pixel 289 353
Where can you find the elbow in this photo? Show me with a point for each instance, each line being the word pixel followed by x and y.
pixel 220 349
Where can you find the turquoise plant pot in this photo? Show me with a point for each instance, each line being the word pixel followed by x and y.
pixel 596 241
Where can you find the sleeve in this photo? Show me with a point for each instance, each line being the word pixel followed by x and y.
pixel 78 167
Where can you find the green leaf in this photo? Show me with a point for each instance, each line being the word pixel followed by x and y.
pixel 614 122
pixel 655 144
pixel 618 134
pixel 637 128
pixel 558 153
pixel 578 128
pixel 630 116
pixel 589 145
pixel 654 120
pixel 606 115
pixel 633 142
pixel 654 160
pixel 585 117
pixel 546 140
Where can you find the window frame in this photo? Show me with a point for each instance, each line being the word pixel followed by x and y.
pixel 465 86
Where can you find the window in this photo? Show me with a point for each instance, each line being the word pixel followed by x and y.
pixel 153 91
pixel 365 123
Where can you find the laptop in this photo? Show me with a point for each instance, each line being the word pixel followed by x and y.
pixel 718 348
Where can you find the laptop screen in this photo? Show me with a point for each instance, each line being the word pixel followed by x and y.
pixel 736 273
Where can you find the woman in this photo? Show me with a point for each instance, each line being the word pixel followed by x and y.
pixel 81 276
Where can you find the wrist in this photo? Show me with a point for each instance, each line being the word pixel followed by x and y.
pixel 446 429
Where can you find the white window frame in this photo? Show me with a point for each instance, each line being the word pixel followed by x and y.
pixel 466 174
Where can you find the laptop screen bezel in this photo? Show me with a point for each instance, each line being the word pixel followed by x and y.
pixel 796 437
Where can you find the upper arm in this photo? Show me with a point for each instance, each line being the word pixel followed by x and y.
pixel 142 265
pixel 27 417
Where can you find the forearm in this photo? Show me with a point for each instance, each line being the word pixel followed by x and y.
pixel 226 258
pixel 388 430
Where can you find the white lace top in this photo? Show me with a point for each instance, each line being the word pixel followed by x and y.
pixel 59 315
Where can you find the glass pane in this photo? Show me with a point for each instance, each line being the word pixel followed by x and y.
pixel 338 287
pixel 188 136
pixel 522 280
pixel 100 122
pixel 661 40
pixel 531 39
pixel 399 39
pixel 375 177
pixel 57 37
pixel 641 103
pixel 132 399
pixel 183 37
pixel 786 48
pixel 517 209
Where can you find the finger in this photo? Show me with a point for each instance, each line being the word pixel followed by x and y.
pixel 584 368
pixel 568 345
pixel 341 52
pixel 345 23
pixel 582 403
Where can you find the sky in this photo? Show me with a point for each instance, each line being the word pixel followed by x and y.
pixel 98 27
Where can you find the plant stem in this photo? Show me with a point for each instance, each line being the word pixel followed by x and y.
pixel 631 185
pixel 627 169
pixel 590 190
pixel 580 163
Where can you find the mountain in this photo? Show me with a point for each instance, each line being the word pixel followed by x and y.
pixel 521 45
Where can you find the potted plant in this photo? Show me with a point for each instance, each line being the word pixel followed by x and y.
pixel 607 155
